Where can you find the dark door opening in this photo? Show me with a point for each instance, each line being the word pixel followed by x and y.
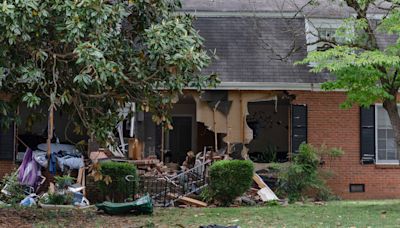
pixel 180 138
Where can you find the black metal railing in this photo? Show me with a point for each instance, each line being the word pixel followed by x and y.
pixel 166 190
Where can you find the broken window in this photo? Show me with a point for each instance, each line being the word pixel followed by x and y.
pixel 269 121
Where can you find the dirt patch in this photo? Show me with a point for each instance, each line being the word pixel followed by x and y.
pixel 27 217
pixel 37 217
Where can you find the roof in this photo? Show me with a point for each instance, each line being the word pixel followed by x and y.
pixel 243 51
pixel 324 8
pixel 248 46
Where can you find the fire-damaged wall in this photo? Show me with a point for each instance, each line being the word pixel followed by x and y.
pixel 230 121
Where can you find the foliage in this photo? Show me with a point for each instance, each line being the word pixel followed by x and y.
pixel 117 188
pixel 58 198
pixel 95 172
pixel 272 203
pixel 64 181
pixel 363 67
pixel 303 175
pixel 229 179
pixel 364 213
pixel 90 58
pixel 367 72
pixel 13 187
pixel 267 156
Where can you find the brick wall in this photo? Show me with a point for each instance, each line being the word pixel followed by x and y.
pixel 335 127
pixel 6 167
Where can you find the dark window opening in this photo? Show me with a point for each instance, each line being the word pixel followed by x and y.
pixel 269 121
pixel 357 187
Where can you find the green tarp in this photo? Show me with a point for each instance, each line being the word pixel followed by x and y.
pixel 143 205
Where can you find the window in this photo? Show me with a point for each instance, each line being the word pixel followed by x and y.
pixel 357 187
pixel 386 151
pixel 323 28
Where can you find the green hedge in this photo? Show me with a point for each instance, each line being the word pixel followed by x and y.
pixel 229 179
pixel 119 189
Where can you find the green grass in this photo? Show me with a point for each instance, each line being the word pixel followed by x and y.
pixel 384 213
pixel 333 214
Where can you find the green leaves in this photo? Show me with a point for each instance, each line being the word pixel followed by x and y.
pixel 83 80
pixel 31 99
pixel 92 57
pixel 366 71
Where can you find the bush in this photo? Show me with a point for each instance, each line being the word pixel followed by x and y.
pixel 15 190
pixel 303 176
pixel 58 199
pixel 63 182
pixel 229 179
pixel 114 184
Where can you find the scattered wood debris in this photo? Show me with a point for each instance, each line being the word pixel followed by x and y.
pixel 188 201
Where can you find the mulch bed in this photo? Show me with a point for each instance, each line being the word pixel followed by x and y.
pixel 26 217
pixel 38 217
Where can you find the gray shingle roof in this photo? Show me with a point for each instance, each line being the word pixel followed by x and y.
pixel 324 8
pixel 244 57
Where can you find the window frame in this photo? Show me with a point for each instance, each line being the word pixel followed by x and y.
pixel 377 161
pixel 313 24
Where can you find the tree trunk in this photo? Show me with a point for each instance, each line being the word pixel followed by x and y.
pixel 391 107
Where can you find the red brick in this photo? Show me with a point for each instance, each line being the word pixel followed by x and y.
pixel 336 127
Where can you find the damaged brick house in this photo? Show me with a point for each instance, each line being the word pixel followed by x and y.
pixel 265 106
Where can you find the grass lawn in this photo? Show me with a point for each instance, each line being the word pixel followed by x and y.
pixel 385 213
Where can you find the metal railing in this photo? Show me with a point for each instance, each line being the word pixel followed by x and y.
pixel 166 190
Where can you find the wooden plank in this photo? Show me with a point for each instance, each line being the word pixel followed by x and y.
pixel 191 201
pixel 84 182
pixel 266 194
pixel 50 128
pixel 79 178
pixel 259 181
pixel 188 201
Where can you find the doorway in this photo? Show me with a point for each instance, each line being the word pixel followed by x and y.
pixel 180 138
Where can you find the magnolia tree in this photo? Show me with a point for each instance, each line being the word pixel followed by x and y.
pixel 92 57
pixel 366 71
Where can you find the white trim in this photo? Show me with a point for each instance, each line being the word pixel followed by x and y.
pixel 311 28
pixel 265 14
pixel 241 14
pixel 382 162
pixel 387 162
pixel 376 132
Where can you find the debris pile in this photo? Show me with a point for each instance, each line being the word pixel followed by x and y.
pixel 168 184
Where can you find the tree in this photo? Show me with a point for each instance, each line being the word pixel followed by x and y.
pixel 92 57
pixel 366 71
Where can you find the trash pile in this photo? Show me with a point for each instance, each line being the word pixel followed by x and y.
pixel 26 185
pixel 161 184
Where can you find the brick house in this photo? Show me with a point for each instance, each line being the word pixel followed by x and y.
pixel 268 102
pixel 265 103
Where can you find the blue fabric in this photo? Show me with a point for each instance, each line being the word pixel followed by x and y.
pixel 53 162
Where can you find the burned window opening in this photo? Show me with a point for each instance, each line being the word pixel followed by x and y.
pixel 269 121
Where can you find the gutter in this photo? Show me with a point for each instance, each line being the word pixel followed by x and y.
pixel 269 14
pixel 265 86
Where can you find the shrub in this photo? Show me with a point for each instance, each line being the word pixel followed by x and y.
pixel 58 199
pixel 229 179
pixel 303 176
pixel 64 181
pixel 114 184
pixel 15 190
